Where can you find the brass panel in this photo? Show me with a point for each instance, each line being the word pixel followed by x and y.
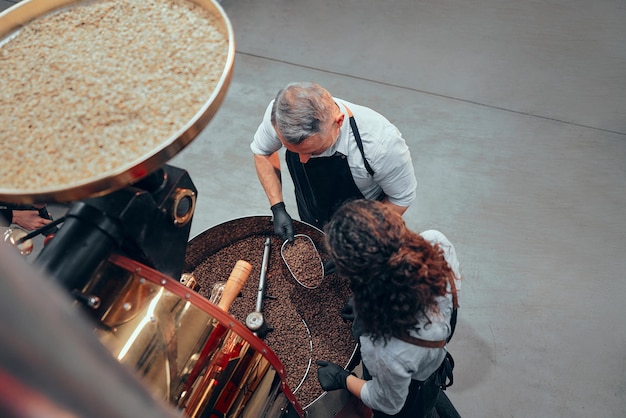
pixel 187 351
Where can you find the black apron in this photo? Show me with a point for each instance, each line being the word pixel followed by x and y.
pixel 324 183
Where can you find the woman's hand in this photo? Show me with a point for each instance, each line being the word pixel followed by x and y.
pixel 331 376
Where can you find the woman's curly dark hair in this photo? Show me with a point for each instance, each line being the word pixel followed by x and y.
pixel 394 273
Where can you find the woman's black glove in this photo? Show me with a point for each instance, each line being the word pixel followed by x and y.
pixel 283 224
pixel 329 267
pixel 331 376
pixel 347 311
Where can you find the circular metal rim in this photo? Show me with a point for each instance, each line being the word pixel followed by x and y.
pixel 125 174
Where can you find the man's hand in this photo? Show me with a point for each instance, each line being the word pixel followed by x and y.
pixel 283 224
pixel 331 376
pixel 29 219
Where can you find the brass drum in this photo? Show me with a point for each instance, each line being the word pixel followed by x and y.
pixel 188 351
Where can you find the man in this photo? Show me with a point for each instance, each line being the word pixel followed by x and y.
pixel 335 151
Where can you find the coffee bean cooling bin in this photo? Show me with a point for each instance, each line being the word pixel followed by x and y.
pixel 304 323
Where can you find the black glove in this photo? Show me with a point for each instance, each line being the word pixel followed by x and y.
pixel 43 213
pixel 347 311
pixel 331 376
pixel 283 224
pixel 329 267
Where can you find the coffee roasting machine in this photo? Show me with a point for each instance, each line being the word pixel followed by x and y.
pixel 104 323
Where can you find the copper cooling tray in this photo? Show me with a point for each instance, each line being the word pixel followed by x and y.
pixel 127 172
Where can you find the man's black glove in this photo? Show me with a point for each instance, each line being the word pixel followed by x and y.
pixel 331 376
pixel 283 224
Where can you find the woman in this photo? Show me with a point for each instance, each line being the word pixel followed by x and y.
pixel 404 300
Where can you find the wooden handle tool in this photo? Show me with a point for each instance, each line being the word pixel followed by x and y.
pixel 234 284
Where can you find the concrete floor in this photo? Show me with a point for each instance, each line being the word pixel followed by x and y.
pixel 515 113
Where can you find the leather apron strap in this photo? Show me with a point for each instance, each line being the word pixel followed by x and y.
pixel 442 343
pixel 359 142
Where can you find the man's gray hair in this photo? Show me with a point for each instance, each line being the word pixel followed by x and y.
pixel 301 110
